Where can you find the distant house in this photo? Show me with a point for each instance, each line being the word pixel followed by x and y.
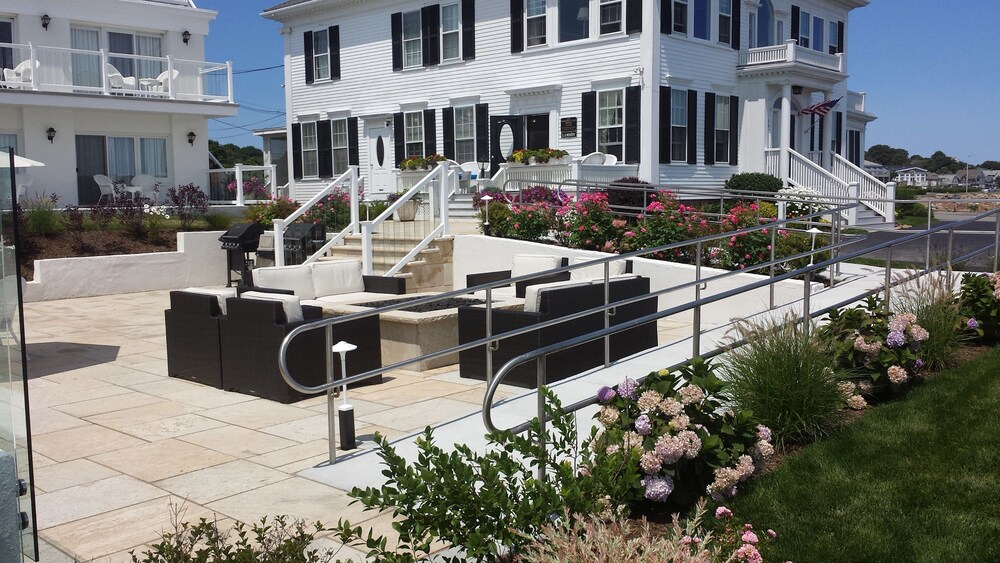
pixel 912 176
pixel 947 180
pixel 973 178
pixel 879 171
pixel 933 180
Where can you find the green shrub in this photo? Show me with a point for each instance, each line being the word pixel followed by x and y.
pixel 753 182
pixel 979 302
pixel 526 221
pixel 265 213
pixel 218 221
pixel 936 305
pixel 41 215
pixel 372 209
pixel 499 215
pixel 629 194
pixel 785 378
pixel 188 203
pixel 905 209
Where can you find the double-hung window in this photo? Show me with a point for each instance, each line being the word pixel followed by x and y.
pixel 835 46
pixel 535 22
pixel 804 29
pixel 611 122
pixel 465 134
pixel 701 17
pixel 310 150
pixel 722 129
pixel 725 21
pixel 339 146
pixel 574 20
pixel 678 125
pixel 817 37
pixel 680 16
pixel 412 40
pixel 451 32
pixel 122 151
pixel 321 55
pixel 413 134
pixel 611 16
pixel 136 44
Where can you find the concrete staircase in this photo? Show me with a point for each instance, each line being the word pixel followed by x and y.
pixel 460 206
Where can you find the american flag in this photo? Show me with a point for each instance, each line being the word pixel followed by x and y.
pixel 822 108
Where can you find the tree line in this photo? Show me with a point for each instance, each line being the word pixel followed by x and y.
pixel 229 154
pixel 938 163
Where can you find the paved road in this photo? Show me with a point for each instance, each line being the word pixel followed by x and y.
pixel 966 239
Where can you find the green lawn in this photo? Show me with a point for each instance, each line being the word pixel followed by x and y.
pixel 914 480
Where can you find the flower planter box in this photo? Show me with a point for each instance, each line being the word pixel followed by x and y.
pixel 407 211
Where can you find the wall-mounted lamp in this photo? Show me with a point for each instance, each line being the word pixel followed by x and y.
pixel 51 134
pixel 191 138
pixel 796 90
pixel 186 36
pixel 46 20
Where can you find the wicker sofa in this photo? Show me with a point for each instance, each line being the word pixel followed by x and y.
pixel 192 330
pixel 524 264
pixel 550 301
pixel 327 282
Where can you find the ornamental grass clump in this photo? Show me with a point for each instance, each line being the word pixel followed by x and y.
pixel 677 430
pixel 937 307
pixel 785 378
pixel 980 305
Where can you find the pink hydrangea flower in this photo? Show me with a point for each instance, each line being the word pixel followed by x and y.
pixel 723 513
pixel 749 537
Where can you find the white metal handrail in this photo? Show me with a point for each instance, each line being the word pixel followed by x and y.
pixel 805 173
pixel 351 177
pixel 873 193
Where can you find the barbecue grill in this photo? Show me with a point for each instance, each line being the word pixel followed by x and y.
pixel 239 241
pixel 302 240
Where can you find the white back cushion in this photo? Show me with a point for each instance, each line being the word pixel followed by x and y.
pixel 220 293
pixel 615 268
pixel 290 303
pixel 533 293
pixel 524 264
pixel 336 277
pixel 295 278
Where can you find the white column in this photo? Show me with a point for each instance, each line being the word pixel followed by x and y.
pixel 786 131
pixel 830 121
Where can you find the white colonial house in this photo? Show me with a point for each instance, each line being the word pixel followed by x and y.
pixel 689 91
pixel 912 176
pixel 108 87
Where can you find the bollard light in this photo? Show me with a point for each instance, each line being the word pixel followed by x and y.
pixel 345 413
pixel 486 225
pixel 813 231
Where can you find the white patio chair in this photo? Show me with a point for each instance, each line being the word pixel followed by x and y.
pixel 118 82
pixel 594 158
pixel 163 84
pixel 20 75
pixel 147 186
pixel 107 187
pixel 610 159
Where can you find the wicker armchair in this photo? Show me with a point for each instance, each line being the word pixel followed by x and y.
pixel 192 327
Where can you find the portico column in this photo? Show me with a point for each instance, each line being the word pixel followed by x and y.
pixel 786 132
pixel 829 123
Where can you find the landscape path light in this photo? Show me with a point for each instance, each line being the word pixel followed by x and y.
pixel 486 225
pixel 346 411
pixel 813 231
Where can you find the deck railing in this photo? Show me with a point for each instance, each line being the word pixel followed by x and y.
pixel 791 52
pixel 872 193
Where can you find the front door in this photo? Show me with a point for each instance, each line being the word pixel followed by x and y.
pixel 506 136
pixel 380 159
pixel 91 158
pixel 537 131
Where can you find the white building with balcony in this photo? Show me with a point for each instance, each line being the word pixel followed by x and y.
pixel 688 91
pixel 112 87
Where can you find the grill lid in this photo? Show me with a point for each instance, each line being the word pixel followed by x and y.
pixel 245 236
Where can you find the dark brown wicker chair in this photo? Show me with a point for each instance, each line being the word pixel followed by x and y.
pixel 251 336
pixel 555 303
pixel 192 327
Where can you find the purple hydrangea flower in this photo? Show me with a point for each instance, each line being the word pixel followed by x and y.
pixel 605 394
pixel 763 433
pixel 658 488
pixel 972 324
pixel 643 426
pixel 918 364
pixel 628 388
pixel 895 339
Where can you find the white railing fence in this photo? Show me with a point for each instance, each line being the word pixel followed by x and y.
pixel 242 177
pixel 873 193
pixel 791 52
pixel 805 173
pixel 350 179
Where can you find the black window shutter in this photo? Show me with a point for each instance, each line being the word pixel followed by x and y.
pixel 709 128
pixel 795 22
pixel 468 29
pixel 812 134
pixel 297 151
pixel 665 103
pixel 840 38
pixel 667 17
pixel 353 155
pixel 516 26
pixel 333 32
pixel 307 47
pixel 633 16
pixel 430 21
pixel 734 130
pixel 692 127
pixel 324 141
pixel 448 131
pixel 397 41
pixel 588 132
pixel 822 127
pixel 839 136
pixel 399 141
pixel 633 111
pixel 430 132
pixel 737 25
pixel 483 132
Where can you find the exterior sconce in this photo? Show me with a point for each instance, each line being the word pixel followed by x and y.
pixel 46 20
pixel 191 138
pixel 186 36
pixel 51 134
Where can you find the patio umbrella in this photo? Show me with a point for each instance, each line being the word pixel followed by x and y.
pixel 19 162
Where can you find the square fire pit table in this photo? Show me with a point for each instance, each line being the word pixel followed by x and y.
pixel 410 334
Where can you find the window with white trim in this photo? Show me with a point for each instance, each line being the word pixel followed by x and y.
pixel 702 27
pixel 534 22
pixel 722 129
pixel 465 134
pixel 321 55
pixel 451 32
pixel 611 122
pixel 817 37
pixel 413 55
pixel 835 46
pixel 574 20
pixel 413 133
pixel 130 44
pixel 725 21
pixel 339 146
pixel 128 156
pixel 310 150
pixel 804 31
pixel 8 140
pixel 680 16
pixel 611 16
pixel 678 125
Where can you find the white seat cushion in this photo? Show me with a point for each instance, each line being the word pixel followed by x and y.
pixel 295 278
pixel 532 293
pixel 290 303
pixel 220 293
pixel 506 293
pixel 360 297
pixel 336 277
pixel 524 264
pixel 615 268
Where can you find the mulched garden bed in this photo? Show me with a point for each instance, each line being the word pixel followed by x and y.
pixel 89 243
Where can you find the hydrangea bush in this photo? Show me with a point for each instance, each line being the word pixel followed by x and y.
pixel 980 305
pixel 676 428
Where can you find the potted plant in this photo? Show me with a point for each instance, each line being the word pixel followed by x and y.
pixel 408 210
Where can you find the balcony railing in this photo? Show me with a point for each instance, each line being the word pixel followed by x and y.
pixel 58 69
pixel 856 100
pixel 791 52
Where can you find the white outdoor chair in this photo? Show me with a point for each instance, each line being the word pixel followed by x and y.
pixel 19 76
pixel 147 186
pixel 610 159
pixel 108 188
pixel 594 158
pixel 163 83
pixel 118 82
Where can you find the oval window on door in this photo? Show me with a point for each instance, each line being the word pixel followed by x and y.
pixel 380 151
pixel 506 140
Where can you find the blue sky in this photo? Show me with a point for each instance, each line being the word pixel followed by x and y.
pixel 929 68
